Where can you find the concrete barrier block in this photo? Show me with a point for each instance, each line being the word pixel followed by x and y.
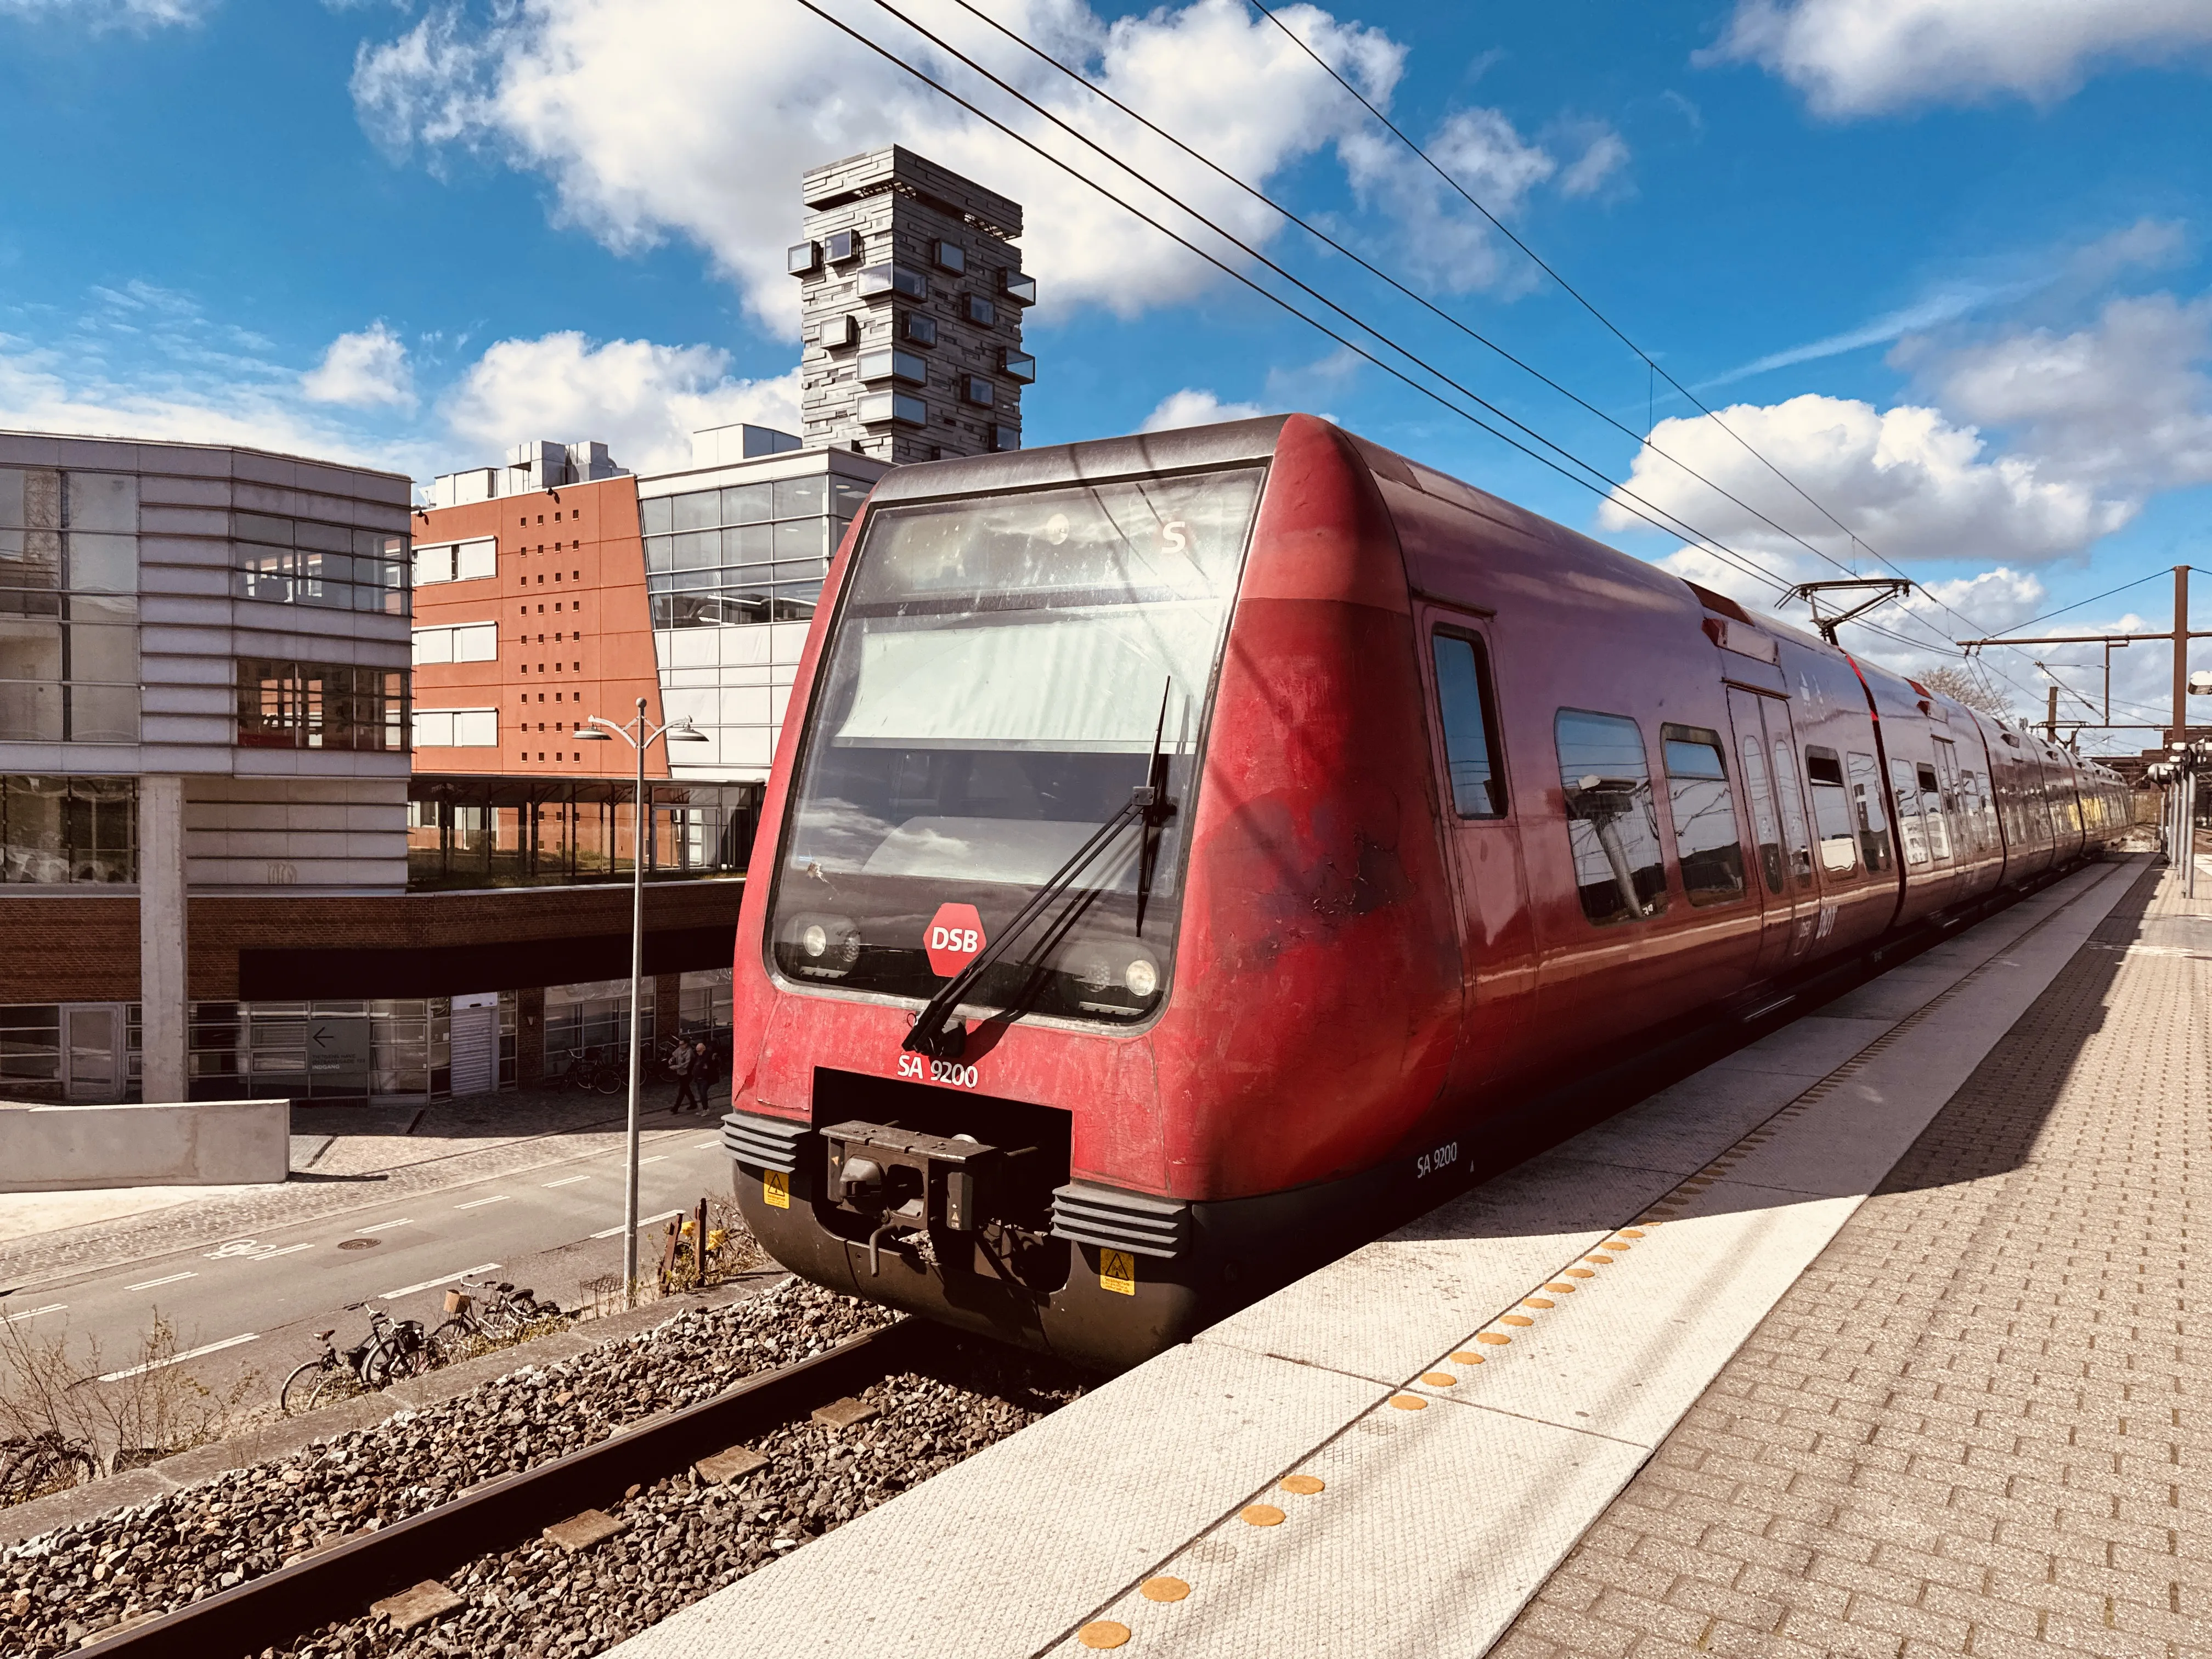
pixel 46 1149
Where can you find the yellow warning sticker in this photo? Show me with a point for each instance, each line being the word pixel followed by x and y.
pixel 775 1188
pixel 1117 1272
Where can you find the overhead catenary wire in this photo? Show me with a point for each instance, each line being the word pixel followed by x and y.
pixel 1678 527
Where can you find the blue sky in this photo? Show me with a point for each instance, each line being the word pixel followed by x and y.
pixel 1944 263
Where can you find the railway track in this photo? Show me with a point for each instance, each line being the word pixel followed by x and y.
pixel 341 1582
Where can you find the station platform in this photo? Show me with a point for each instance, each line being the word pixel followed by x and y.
pixel 1869 1337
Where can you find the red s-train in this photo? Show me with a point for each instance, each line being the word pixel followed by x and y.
pixel 1181 846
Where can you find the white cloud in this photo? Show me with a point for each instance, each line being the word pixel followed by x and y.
pixel 363 371
pixel 1865 56
pixel 1907 480
pixel 2123 405
pixel 1192 406
pixel 642 400
pixel 1604 155
pixel 98 14
pixel 1448 245
pixel 683 118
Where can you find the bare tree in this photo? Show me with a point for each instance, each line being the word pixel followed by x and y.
pixel 1960 686
pixel 145 1408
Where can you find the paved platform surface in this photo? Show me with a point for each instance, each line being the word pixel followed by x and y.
pixel 1394 1455
pixel 1978 1424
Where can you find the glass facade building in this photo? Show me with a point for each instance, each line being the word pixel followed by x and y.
pixel 68 606
pixel 746 553
pixel 471 832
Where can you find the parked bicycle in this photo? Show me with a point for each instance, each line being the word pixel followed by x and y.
pixel 484 1315
pixel 392 1349
pixel 32 1466
pixel 590 1073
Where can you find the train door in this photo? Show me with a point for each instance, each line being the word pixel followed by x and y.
pixel 1766 754
pixel 1498 956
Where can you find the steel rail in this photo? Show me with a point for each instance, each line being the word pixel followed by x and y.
pixel 340 1581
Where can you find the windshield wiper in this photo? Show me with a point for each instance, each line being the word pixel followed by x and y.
pixel 931 1034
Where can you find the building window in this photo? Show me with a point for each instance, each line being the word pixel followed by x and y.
pixel 304 562
pixel 68 606
pixel 1006 437
pixel 58 831
pixel 1018 365
pixel 477 831
pixel 876 281
pixel 456 562
pixel 919 330
pixel 838 331
pixel 902 407
pixel 470 642
pixel 981 312
pixel 457 728
pixel 803 258
pixel 840 245
pixel 1017 287
pixel 975 389
pixel 307 705
pixel 891 364
pixel 951 257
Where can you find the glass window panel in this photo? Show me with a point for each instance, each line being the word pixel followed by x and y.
pixel 794 601
pixel 260 527
pixel 30 648
pixel 434 645
pixel 1463 697
pixel 700 510
pixel 434 564
pixel 1612 826
pixel 655 516
pixel 30 713
pixel 477 642
pixel 1792 800
pixel 1706 844
pixel 109 655
pixel 1906 789
pixel 799 498
pixel 659 553
pixel 112 607
pixel 752 503
pixel 698 548
pixel 103 714
pixel 11 497
pixel 103 501
pixel 801 538
pixel 329 538
pixel 748 544
pixel 846 495
pixel 475 560
pixel 475 728
pixel 1831 812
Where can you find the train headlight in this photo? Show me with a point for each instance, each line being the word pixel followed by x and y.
pixel 821 947
pixel 1141 977
pixel 815 939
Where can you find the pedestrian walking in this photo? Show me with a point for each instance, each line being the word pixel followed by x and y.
pixel 703 1075
pixel 681 1062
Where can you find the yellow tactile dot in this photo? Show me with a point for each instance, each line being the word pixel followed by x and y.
pixel 1563 1290
pixel 1492 1337
pixel 1305 1484
pixel 1105 1633
pixel 1463 1357
pixel 1409 1402
pixel 1580 1272
pixel 1163 1589
pixel 1631 1232
pixel 1262 1515
pixel 1601 1261
pixel 1516 1319
pixel 1536 1301
pixel 1440 1379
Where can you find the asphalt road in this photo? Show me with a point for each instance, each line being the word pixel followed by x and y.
pixel 254 1303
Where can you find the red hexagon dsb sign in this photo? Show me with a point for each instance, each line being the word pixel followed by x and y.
pixel 954 937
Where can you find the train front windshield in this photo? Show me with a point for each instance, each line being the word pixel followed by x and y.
pixel 1001 673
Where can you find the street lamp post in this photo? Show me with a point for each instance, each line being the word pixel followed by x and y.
pixel 599 729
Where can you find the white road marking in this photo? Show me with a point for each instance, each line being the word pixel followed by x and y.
pixel 151 1283
pixel 704 1146
pixel 270 1255
pixel 33 1313
pixel 479 1203
pixel 662 1158
pixel 179 1358
pixel 386 1226
pixel 567 1181
pixel 443 1279
pixel 647 1221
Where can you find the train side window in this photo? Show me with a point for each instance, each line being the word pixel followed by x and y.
pixel 1764 828
pixel 1931 809
pixel 1831 811
pixel 1906 787
pixel 1793 813
pixel 1706 844
pixel 1470 724
pixel 1612 823
pixel 1868 813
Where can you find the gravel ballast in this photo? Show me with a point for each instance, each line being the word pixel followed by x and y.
pixel 59 1588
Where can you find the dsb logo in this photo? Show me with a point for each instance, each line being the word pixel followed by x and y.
pixel 954 937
